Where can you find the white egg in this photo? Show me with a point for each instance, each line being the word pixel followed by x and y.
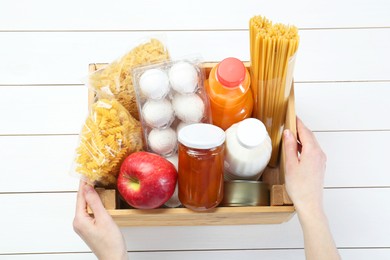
pixel 188 108
pixel 174 160
pixel 183 77
pixel 174 201
pixel 163 141
pixel 181 125
pixel 154 83
pixel 158 113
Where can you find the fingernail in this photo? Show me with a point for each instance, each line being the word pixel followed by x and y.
pixel 88 188
pixel 287 133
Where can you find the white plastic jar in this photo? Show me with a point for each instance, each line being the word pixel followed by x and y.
pixel 248 150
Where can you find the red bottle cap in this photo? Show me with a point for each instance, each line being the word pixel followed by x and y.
pixel 231 72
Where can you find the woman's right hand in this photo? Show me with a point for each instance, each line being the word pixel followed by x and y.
pixel 305 171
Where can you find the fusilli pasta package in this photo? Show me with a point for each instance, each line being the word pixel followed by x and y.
pixel 115 80
pixel 108 136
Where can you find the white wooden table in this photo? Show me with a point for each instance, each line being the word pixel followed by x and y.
pixel 342 93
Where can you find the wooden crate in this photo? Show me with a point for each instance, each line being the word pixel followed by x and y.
pixel 281 209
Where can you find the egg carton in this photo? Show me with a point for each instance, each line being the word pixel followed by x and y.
pixel 170 95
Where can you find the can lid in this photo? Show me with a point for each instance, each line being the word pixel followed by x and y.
pixel 231 72
pixel 201 136
pixel 251 133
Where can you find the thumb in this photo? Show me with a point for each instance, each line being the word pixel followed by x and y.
pixel 93 200
pixel 290 146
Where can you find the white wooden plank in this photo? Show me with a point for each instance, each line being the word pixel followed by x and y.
pixel 43 163
pixel 37 163
pixel 179 15
pixel 363 254
pixel 356 159
pixel 355 213
pixel 42 109
pixel 36 223
pixel 343 55
pixel 344 106
pixel 62 58
pixel 59 256
pixel 346 254
pixel 358 218
pixel 322 106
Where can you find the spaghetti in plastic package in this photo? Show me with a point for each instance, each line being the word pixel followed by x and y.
pixel 108 136
pixel 273 50
pixel 115 80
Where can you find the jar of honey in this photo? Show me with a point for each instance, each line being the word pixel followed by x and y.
pixel 201 166
pixel 228 88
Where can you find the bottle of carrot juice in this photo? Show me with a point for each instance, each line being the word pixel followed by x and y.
pixel 228 87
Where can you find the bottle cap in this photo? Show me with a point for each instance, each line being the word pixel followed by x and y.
pixel 231 72
pixel 201 136
pixel 251 132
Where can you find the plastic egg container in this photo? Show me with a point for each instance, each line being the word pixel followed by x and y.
pixel 169 95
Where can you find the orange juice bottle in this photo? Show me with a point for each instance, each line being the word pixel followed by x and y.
pixel 228 87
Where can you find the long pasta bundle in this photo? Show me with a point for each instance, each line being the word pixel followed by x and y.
pixel 273 50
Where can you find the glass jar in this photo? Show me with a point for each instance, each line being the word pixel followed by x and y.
pixel 201 157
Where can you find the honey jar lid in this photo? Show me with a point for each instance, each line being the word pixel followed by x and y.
pixel 201 136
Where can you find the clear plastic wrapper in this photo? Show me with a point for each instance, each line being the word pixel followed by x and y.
pixel 108 136
pixel 273 48
pixel 115 80
pixel 169 95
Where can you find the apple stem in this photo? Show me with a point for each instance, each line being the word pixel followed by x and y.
pixel 134 180
pixel 134 183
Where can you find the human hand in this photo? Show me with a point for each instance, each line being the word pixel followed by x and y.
pixel 304 175
pixel 99 232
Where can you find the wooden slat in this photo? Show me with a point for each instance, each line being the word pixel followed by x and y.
pixel 216 217
pixel 294 253
pixel 62 109
pixel 61 58
pixel 42 109
pixel 50 216
pixel 49 158
pixel 298 254
pixel 37 163
pixel 157 15
pixel 356 159
pixel 344 106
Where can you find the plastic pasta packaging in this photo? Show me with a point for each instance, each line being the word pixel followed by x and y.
pixel 273 52
pixel 115 80
pixel 170 95
pixel 108 136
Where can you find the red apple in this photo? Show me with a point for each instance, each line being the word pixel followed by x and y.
pixel 146 180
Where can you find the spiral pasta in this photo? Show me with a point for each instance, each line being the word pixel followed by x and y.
pixel 116 81
pixel 109 134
